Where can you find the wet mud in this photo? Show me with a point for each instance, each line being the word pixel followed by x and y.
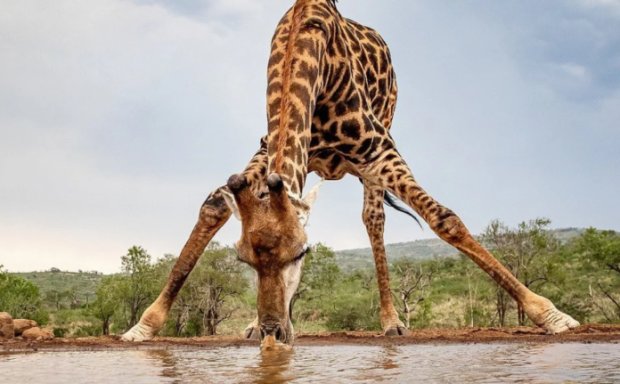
pixel 589 333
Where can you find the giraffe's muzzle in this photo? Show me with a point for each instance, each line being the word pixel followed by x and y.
pixel 274 330
pixel 274 336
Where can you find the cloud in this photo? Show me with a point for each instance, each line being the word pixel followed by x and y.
pixel 209 9
pixel 89 91
pixel 611 6
pixel 119 118
pixel 577 71
pixel 547 37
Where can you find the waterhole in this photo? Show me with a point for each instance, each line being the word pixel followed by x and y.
pixel 466 363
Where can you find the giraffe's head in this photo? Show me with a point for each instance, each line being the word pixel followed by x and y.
pixel 273 242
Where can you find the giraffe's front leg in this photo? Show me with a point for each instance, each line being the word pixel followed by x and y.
pixel 391 172
pixel 252 331
pixel 374 220
pixel 213 215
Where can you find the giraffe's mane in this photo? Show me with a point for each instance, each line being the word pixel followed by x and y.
pixel 285 102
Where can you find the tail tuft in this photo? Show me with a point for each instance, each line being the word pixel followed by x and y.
pixel 392 202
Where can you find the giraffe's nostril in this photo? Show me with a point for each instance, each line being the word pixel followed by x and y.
pixel 274 330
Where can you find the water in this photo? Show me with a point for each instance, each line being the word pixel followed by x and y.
pixel 474 363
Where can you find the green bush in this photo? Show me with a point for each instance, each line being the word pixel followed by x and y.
pixel 351 313
pixel 87 330
pixel 354 304
pixel 21 298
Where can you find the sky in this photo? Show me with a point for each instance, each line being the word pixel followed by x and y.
pixel 118 118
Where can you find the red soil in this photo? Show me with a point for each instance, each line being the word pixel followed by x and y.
pixel 588 333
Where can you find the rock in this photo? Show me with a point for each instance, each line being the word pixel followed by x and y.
pixel 21 325
pixel 36 333
pixel 6 326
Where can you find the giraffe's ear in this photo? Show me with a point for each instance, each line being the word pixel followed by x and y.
pixel 229 198
pixel 311 196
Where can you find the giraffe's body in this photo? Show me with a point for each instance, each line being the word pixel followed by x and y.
pixel 330 102
pixel 343 131
pixel 340 99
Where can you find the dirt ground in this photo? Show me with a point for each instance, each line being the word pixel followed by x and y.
pixel 588 333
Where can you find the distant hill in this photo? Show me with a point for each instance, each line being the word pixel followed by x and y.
pixel 79 287
pixel 361 258
pixel 351 259
pixel 566 234
pixel 66 288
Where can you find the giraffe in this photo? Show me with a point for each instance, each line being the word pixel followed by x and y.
pixel 331 97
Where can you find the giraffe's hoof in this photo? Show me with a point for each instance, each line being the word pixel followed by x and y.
pixel 396 330
pixel 544 314
pixel 138 333
pixel 252 333
pixel 558 322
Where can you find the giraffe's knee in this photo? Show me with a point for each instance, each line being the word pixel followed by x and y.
pixel 449 226
pixel 214 208
pixel 373 219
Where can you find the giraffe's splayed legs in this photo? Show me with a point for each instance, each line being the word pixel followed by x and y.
pixel 374 220
pixel 449 227
pixel 213 215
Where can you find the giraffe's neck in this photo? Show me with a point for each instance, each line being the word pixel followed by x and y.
pixel 294 81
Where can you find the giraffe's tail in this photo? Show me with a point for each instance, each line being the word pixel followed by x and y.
pixel 392 202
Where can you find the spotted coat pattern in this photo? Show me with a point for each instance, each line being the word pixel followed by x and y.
pixel 331 97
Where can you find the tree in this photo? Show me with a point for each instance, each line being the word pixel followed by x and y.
pixel 601 249
pixel 105 305
pixel 412 282
pixel 319 274
pixel 526 251
pixel 55 297
pixel 218 277
pixel 475 284
pixel 73 295
pixel 205 300
pixel 137 288
pixel 352 304
pixel 20 298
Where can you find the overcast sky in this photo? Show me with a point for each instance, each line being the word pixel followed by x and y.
pixel 117 118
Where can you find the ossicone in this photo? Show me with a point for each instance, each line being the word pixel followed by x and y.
pixel 236 183
pixel 275 183
pixel 278 196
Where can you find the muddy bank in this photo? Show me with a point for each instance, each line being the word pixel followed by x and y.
pixel 584 334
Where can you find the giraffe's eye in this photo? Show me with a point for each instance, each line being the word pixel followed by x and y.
pixel 302 254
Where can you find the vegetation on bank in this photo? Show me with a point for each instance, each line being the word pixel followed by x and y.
pixel 581 276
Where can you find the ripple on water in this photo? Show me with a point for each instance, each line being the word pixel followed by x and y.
pixel 479 363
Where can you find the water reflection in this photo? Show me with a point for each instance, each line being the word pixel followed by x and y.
pixel 388 358
pixel 273 367
pixel 472 363
pixel 168 362
pixel 247 365
pixel 484 363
